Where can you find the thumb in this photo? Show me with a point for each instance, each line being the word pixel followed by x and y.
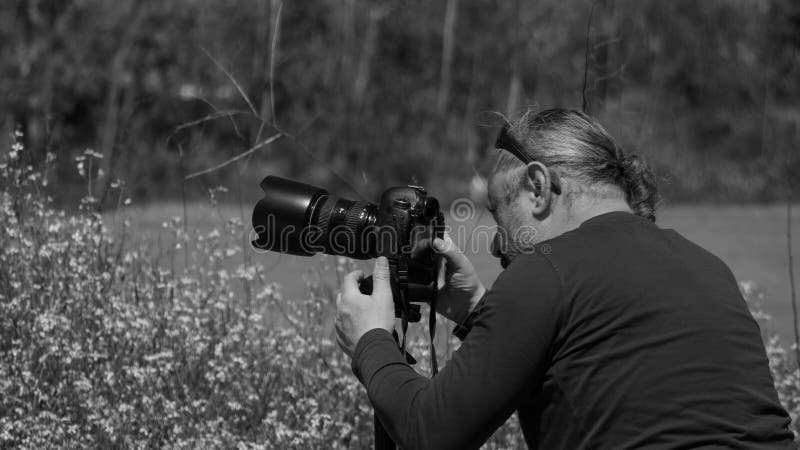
pixel 381 277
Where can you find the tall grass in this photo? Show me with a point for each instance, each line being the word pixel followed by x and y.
pixel 103 344
pixel 108 342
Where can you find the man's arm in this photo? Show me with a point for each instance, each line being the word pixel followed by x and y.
pixel 505 355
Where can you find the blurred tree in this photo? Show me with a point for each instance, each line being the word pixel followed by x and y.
pixel 394 94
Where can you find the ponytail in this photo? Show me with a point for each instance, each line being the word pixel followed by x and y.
pixel 640 188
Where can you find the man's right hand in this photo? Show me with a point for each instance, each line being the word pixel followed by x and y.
pixel 459 286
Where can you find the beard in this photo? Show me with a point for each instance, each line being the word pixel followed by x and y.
pixel 504 261
pixel 509 245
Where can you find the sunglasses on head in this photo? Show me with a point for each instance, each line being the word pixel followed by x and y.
pixel 505 141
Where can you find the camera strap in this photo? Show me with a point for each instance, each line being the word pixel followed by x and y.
pixel 402 282
pixel 432 331
pixel 437 231
pixel 404 327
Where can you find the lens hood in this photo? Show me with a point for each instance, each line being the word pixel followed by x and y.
pixel 281 216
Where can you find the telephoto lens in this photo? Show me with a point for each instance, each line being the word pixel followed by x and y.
pixel 300 219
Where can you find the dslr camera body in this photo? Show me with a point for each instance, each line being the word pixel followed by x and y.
pixel 299 219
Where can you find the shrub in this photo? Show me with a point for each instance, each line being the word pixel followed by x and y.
pixel 105 344
pixel 109 342
pixel 785 372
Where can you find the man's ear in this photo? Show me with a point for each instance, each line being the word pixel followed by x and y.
pixel 538 183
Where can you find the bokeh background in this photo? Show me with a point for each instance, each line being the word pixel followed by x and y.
pixel 381 92
pixel 133 312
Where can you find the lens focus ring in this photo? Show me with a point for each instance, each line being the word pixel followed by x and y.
pixel 355 218
pixel 341 224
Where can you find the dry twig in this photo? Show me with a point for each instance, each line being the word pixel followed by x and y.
pixel 272 64
pixel 235 83
pixel 247 152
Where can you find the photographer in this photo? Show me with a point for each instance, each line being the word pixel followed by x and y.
pixel 603 331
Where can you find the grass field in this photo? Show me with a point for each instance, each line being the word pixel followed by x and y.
pixel 751 239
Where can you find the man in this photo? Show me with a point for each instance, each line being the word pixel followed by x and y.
pixel 603 332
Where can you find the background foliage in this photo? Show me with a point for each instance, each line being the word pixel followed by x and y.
pixel 397 91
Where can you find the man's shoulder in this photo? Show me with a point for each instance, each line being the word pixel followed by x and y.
pixel 547 262
pixel 567 249
pixel 529 273
pixel 611 240
pixel 534 263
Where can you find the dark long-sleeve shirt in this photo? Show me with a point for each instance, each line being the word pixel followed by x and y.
pixel 615 335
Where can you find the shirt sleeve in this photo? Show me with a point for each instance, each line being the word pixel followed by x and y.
pixel 505 355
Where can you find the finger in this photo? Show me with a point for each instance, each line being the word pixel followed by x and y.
pixel 441 273
pixel 447 248
pixel 341 335
pixel 350 282
pixel 344 343
pixel 442 244
pixel 381 278
pixel 421 246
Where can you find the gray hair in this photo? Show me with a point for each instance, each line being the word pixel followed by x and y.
pixel 579 146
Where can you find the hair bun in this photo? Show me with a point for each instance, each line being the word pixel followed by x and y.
pixel 640 186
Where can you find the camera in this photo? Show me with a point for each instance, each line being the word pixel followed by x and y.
pixel 299 219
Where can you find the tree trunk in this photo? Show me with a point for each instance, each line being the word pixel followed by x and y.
pixel 361 81
pixel 448 41
pixel 260 72
pixel 517 51
pixel 514 93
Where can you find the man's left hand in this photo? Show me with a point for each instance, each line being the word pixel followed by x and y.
pixel 357 313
